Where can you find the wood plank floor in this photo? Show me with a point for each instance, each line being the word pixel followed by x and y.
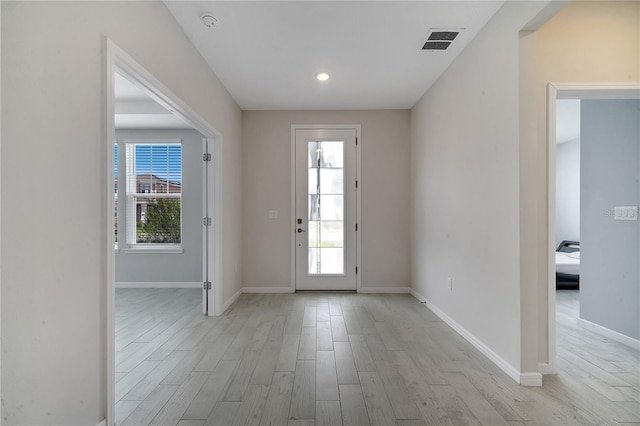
pixel 347 359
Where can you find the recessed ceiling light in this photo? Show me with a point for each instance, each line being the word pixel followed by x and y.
pixel 322 76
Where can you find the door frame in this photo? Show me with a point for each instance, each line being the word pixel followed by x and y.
pixel 116 59
pixel 557 91
pixel 357 128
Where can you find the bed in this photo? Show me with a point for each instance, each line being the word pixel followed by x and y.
pixel 568 264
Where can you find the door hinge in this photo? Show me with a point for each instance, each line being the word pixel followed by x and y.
pixel 206 156
pixel 356 184
pixel 356 141
pixel 206 285
pixel 356 270
pixel 356 227
pixel 206 221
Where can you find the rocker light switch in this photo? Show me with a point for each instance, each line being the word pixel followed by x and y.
pixel 626 213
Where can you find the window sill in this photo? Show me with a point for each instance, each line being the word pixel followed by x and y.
pixel 156 250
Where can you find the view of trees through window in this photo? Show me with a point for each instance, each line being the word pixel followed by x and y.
pixel 161 223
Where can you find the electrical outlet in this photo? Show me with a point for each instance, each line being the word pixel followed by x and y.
pixel 450 283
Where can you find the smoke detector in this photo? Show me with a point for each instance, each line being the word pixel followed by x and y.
pixel 209 20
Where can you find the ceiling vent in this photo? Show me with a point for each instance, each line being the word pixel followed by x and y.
pixel 440 39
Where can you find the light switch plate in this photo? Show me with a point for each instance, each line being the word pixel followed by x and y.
pixel 273 214
pixel 626 213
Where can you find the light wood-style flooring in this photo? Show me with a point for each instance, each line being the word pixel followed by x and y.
pixel 346 359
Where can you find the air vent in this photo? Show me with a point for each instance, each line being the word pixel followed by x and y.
pixel 436 45
pixel 440 39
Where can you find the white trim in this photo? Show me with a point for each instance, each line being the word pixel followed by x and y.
pixel 230 301
pixel 418 296
pixel 611 334
pixel 383 290
pixel 531 379
pixel 372 290
pixel 567 91
pixel 544 369
pixel 102 423
pixel 267 290
pixel 597 90
pixel 551 230
pixel 359 207
pixel 358 129
pixel 109 140
pixel 510 370
pixel 0 215
pixel 158 284
pixel 292 243
pixel 141 249
pixel 118 59
pixel 153 141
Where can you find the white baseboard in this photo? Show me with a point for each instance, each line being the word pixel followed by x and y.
pixel 544 368
pixel 526 379
pixel 417 295
pixel 613 335
pixel 531 379
pixel 230 301
pixel 158 285
pixel 362 290
pixel 102 423
pixel 267 290
pixel 385 290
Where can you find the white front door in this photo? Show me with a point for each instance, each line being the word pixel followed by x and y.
pixel 325 209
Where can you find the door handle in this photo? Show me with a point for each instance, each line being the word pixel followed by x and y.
pixel 300 230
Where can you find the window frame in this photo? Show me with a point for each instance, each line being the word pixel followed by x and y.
pixel 128 235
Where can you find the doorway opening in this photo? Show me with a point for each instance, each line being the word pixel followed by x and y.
pixel 146 176
pixel 567 238
pixel 589 181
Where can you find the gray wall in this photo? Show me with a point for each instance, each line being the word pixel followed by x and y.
pixel 568 191
pixel 610 159
pixel 170 267
pixel 385 194
pixel 465 176
pixel 54 264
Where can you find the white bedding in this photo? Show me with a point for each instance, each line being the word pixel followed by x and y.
pixel 568 263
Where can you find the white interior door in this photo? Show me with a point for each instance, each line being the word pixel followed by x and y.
pixel 325 209
pixel 206 281
pixel 209 229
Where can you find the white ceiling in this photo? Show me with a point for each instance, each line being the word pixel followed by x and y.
pixel 567 120
pixel 134 109
pixel 267 53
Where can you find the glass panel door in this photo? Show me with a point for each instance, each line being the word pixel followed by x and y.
pixel 325 209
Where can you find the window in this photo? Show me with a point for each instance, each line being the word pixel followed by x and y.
pixel 115 194
pixel 153 193
pixel 326 207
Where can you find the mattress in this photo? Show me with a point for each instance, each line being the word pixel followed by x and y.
pixel 568 263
